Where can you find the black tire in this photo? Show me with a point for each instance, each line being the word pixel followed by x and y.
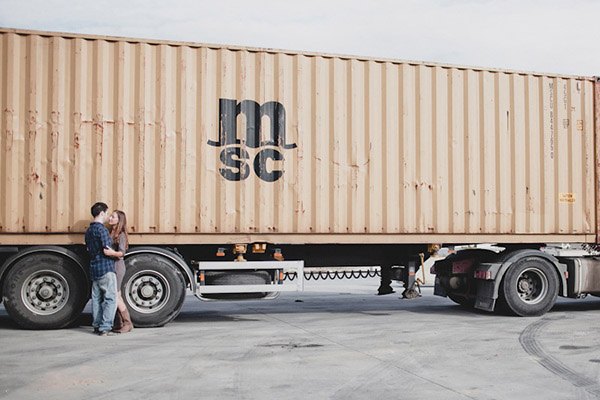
pixel 529 287
pixel 45 291
pixel 237 278
pixel 466 302
pixel 153 289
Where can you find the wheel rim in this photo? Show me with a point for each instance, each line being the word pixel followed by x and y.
pixel 45 292
pixel 532 286
pixel 147 291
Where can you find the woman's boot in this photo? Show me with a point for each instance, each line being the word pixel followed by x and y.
pixel 118 322
pixel 127 324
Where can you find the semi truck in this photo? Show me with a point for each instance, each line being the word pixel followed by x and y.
pixel 241 168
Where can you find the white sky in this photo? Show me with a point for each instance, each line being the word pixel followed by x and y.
pixel 555 36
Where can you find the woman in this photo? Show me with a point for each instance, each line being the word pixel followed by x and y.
pixel 118 233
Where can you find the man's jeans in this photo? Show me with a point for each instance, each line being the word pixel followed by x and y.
pixel 104 301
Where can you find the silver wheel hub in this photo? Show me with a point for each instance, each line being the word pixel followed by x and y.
pixel 147 291
pixel 532 285
pixel 45 292
pixel 524 286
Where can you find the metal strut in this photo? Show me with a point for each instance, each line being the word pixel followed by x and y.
pixel 412 289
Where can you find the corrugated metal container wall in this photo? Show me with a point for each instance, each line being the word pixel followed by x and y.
pixel 198 140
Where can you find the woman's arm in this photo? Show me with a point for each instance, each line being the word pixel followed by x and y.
pixel 122 245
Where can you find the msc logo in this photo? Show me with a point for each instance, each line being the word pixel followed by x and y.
pixel 234 156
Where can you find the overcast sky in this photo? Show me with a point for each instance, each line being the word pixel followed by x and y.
pixel 556 36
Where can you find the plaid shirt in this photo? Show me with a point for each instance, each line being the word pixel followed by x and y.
pixel 96 239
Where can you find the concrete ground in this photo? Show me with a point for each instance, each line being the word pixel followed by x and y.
pixel 337 340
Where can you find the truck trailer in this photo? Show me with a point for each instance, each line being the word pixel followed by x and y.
pixel 241 168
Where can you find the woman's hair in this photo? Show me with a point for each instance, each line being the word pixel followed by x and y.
pixel 120 227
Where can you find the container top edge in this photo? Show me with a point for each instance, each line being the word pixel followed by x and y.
pixel 174 43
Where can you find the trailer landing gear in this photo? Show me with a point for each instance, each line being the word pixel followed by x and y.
pixel 406 274
pixel 385 286
pixel 411 286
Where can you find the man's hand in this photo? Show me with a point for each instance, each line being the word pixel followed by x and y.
pixel 108 252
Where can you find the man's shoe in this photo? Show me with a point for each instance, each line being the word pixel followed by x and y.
pixel 96 330
pixel 106 333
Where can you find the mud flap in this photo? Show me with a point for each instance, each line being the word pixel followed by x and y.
pixel 486 298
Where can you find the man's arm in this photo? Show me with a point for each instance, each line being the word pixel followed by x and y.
pixel 106 243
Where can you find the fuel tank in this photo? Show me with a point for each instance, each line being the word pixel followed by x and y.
pixel 584 276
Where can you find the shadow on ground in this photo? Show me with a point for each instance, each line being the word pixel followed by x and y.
pixel 235 311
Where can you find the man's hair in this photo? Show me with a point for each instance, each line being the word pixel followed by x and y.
pixel 98 208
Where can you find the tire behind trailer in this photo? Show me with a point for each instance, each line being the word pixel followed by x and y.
pixel 462 300
pixel 237 278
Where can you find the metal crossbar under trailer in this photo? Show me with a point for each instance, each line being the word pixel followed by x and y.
pixel 278 269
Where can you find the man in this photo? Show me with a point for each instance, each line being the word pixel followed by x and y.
pixel 102 270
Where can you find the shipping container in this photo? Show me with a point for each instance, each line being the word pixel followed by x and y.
pixel 330 159
pixel 214 144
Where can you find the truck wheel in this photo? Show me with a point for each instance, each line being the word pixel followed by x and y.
pixel 154 290
pixel 529 287
pixel 45 291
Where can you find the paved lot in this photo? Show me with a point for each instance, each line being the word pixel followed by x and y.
pixel 338 341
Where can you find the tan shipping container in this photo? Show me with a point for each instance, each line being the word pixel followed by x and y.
pixel 213 144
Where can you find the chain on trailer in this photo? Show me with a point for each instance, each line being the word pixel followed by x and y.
pixel 592 248
pixel 339 273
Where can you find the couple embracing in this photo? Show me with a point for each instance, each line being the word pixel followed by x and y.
pixel 107 269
